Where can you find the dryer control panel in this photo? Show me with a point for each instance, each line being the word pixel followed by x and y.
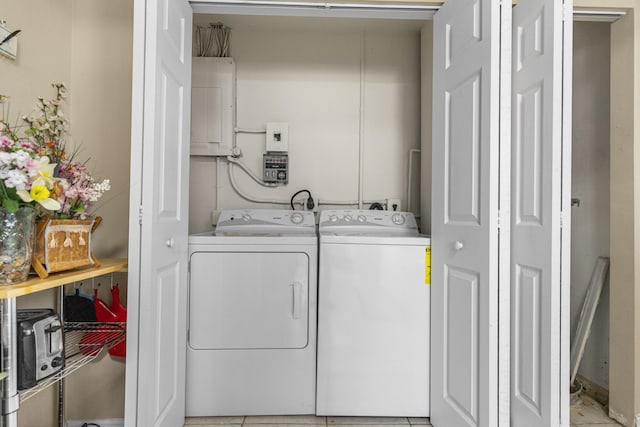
pixel 265 219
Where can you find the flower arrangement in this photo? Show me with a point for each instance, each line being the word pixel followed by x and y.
pixel 36 169
pixel 26 179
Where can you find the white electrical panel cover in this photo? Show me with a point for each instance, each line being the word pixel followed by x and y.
pixel 212 106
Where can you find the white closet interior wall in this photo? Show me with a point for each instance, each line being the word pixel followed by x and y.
pixel 307 72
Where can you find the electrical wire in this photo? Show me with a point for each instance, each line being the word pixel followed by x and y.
pixel 245 168
pixel 222 37
pixel 311 204
pixel 344 202
pixel 298 192
pixel 215 34
pixel 238 130
pixel 204 40
pixel 361 121
pixel 410 176
pixel 247 197
pixel 218 183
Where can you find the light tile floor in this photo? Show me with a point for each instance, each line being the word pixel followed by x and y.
pixel 585 412
pixel 304 421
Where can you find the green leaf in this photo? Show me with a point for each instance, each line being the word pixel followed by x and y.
pixel 10 205
pixel 12 193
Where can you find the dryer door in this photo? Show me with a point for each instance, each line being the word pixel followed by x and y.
pixel 248 300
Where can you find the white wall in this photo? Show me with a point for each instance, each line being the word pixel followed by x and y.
pixel 590 184
pixel 39 63
pixel 100 87
pixel 307 72
pixel 101 109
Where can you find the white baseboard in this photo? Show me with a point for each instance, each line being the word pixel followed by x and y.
pixel 110 422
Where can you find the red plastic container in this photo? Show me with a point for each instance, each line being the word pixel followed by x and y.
pixel 120 314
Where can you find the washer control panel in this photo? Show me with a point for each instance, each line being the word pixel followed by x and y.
pixel 367 219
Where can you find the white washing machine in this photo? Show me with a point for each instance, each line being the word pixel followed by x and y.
pixel 252 315
pixel 373 315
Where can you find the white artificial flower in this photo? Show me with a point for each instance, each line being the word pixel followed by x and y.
pixel 16 179
pixel 5 158
pixel 45 172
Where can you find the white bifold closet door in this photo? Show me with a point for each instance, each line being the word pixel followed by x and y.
pixel 497 205
pixel 161 181
pixel 540 214
pixel 465 177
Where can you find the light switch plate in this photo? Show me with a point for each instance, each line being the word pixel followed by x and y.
pixel 10 48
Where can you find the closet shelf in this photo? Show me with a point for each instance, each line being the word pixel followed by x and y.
pixel 84 341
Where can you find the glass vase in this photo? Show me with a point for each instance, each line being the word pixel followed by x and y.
pixel 17 240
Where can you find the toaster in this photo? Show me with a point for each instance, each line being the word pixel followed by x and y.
pixel 40 345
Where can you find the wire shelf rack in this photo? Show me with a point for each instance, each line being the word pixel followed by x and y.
pixel 84 341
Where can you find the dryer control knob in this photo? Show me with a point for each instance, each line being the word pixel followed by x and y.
pixel 397 219
pixel 297 218
pixel 333 218
pixel 246 217
pixel 362 218
pixel 347 218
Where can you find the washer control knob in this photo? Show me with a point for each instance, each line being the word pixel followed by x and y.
pixel 246 217
pixel 333 218
pixel 397 219
pixel 297 218
pixel 348 218
pixel 362 218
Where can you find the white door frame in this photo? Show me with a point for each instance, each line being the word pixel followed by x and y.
pixel 135 200
pixel 565 202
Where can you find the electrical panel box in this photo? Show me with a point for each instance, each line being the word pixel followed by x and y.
pixel 275 168
pixel 212 106
pixel 277 137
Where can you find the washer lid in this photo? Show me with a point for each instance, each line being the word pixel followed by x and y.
pixel 265 222
pixel 368 223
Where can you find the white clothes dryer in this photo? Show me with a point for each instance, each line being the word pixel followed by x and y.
pixel 252 315
pixel 373 315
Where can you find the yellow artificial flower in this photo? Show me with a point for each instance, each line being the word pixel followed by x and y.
pixel 39 192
